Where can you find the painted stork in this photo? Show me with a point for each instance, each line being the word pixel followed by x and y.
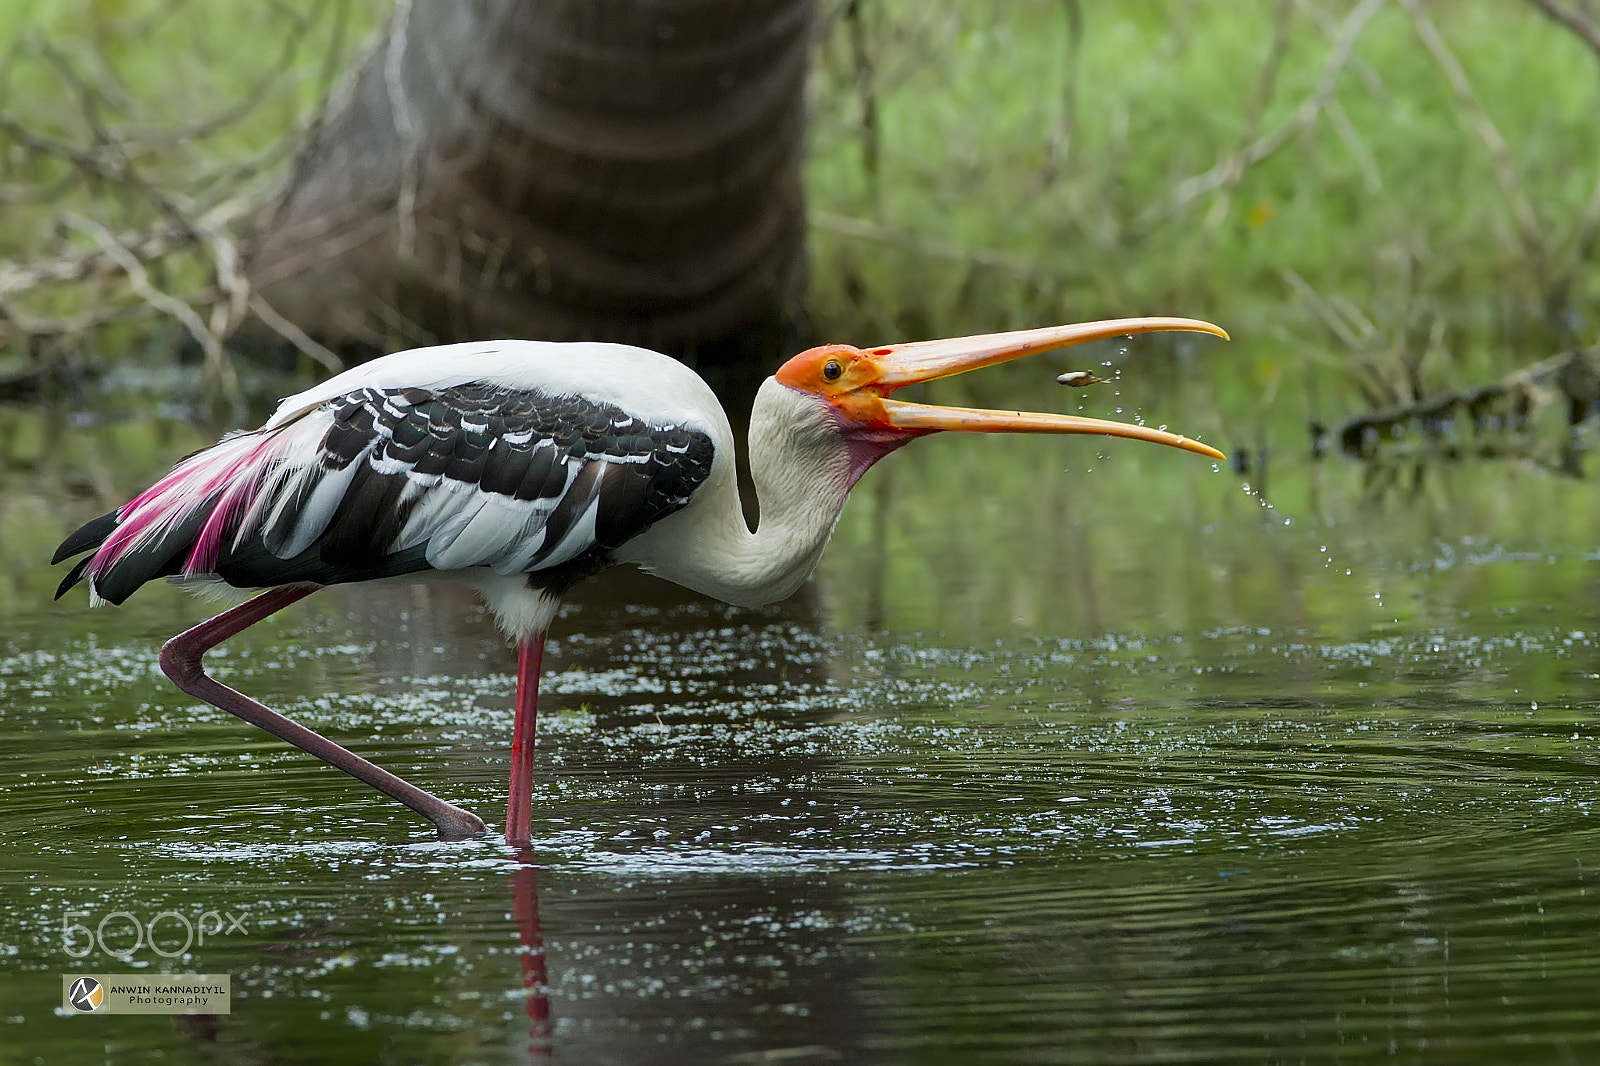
pixel 522 467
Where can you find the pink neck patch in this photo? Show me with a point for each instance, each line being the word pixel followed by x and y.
pixel 866 447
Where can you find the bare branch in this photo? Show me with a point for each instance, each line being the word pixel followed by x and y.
pixel 1313 10
pixel 1266 85
pixel 1327 312
pixel 144 247
pixel 216 365
pixel 294 335
pixel 1371 178
pixel 1191 189
pixel 142 143
pixel 1589 222
pixel 80 265
pixel 1572 20
pixel 862 229
pixel 1505 169
pixel 196 216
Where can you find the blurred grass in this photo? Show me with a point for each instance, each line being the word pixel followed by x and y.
pixel 975 167
pixel 1013 179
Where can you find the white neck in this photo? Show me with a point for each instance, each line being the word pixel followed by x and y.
pixel 801 470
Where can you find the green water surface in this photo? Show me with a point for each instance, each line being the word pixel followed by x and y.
pixel 1074 751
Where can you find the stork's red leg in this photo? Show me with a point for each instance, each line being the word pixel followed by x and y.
pixel 519 801
pixel 180 660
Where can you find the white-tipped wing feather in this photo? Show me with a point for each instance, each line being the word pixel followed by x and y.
pixel 372 481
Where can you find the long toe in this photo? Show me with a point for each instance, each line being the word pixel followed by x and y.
pixel 458 824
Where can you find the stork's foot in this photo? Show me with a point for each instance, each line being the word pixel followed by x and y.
pixel 455 823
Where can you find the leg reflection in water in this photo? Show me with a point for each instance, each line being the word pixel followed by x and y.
pixel 535 977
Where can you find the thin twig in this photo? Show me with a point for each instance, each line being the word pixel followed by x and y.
pixel 109 159
pixel 1266 85
pixel 144 246
pixel 253 98
pixel 80 265
pixel 11 322
pixel 1191 189
pixel 1588 227
pixel 294 334
pixel 1325 311
pixel 216 366
pixel 226 314
pixel 1371 178
pixel 1572 20
pixel 1505 169
pixel 1060 146
pixel 1330 32
pixel 862 229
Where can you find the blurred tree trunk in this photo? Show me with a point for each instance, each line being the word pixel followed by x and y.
pixel 559 169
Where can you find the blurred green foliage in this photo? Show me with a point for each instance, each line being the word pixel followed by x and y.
pixel 132 113
pixel 994 166
pixel 975 167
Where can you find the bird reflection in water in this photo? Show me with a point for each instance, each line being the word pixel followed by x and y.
pixel 535 973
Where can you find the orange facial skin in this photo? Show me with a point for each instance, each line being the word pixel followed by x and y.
pixel 856 393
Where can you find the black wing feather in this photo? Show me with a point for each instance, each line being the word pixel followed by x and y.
pixel 86 537
pixel 524 447
pixel 547 458
pixel 161 557
pixel 74 576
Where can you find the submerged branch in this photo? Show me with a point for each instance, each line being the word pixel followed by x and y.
pixel 1506 405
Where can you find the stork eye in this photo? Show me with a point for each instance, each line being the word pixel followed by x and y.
pixel 832 370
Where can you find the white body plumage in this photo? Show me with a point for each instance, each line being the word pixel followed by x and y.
pixel 290 484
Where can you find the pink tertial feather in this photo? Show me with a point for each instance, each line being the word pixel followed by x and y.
pixel 231 473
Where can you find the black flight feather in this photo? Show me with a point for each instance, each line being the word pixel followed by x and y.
pixel 87 537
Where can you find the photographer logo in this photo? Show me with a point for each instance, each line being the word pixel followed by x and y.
pixel 86 995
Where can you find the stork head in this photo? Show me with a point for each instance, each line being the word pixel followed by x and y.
pixel 854 385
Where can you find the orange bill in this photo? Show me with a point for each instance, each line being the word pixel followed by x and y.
pixel 898 365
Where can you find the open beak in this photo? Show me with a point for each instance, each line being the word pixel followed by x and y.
pixel 899 365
